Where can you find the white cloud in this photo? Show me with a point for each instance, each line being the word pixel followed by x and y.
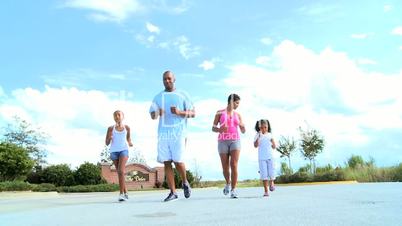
pixel 186 49
pixel 207 65
pixel 77 120
pixel 262 60
pixel 266 41
pixel 387 8
pixel 359 36
pixel 365 61
pixel 152 28
pixel 319 89
pixel 107 10
pixel 397 31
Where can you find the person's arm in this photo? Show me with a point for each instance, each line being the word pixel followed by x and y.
pixel 109 135
pixel 184 114
pixel 156 114
pixel 215 128
pixel 130 144
pixel 273 144
pixel 241 124
pixel 257 140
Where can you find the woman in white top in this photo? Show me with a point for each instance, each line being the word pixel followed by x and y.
pixel 266 144
pixel 118 136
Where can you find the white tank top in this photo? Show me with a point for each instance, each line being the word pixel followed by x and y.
pixel 119 140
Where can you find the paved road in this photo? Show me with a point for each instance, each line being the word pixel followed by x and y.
pixel 339 204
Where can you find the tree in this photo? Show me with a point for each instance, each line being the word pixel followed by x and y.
pixel 136 157
pixel 59 175
pixel 23 134
pixel 87 174
pixel 355 161
pixel 14 162
pixel 312 143
pixel 105 155
pixel 286 147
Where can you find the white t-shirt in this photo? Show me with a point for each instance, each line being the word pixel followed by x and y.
pixel 265 146
pixel 171 126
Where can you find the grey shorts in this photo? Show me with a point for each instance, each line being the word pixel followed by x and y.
pixel 226 146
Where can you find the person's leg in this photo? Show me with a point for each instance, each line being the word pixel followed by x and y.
pixel 116 165
pixel 122 172
pixel 234 159
pixel 170 176
pixel 225 166
pixel 271 174
pixel 181 167
pixel 265 182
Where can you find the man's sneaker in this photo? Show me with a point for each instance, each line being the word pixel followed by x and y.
pixel 187 190
pixel 233 194
pixel 266 194
pixel 272 187
pixel 226 189
pixel 126 195
pixel 171 197
pixel 121 198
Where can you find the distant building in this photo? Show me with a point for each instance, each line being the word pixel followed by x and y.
pixel 138 176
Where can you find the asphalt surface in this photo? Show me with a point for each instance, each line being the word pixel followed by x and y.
pixel 332 204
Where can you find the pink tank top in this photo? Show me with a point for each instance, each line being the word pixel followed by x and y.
pixel 232 122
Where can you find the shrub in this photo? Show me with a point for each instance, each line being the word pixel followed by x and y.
pixel 15 186
pixel 35 176
pixel 355 161
pixel 45 187
pixel 89 188
pixel 177 179
pixel 15 162
pixel 301 177
pixel 59 175
pixel 398 173
pixel 87 174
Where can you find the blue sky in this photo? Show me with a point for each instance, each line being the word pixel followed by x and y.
pixel 333 66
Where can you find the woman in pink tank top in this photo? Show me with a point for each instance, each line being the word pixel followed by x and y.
pixel 229 122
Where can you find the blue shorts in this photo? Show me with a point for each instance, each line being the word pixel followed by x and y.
pixel 116 155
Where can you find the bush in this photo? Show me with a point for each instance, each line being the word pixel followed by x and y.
pixel 89 188
pixel 15 162
pixel 355 161
pixel 59 175
pixel 35 176
pixel 177 179
pixel 398 173
pixel 87 174
pixel 15 186
pixel 322 170
pixel 45 187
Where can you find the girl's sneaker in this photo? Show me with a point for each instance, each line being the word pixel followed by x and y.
pixel 226 189
pixel 233 194
pixel 121 198
pixel 126 195
pixel 171 197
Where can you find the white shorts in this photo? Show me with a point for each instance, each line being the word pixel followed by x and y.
pixel 171 150
pixel 267 169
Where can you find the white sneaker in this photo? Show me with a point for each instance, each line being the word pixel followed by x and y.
pixel 233 194
pixel 226 189
pixel 126 196
pixel 121 198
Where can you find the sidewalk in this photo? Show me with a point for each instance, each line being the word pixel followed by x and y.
pixel 334 204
